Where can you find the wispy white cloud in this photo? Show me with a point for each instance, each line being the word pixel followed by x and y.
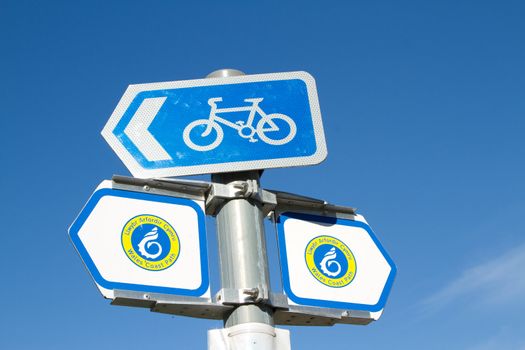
pixel 500 280
pixel 503 339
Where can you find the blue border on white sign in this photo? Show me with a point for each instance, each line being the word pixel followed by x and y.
pixel 326 303
pixel 88 209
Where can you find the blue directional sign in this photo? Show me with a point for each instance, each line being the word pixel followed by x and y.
pixel 218 125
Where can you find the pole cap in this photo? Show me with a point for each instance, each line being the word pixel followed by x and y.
pixel 223 73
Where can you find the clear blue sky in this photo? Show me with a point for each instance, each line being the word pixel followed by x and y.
pixel 423 104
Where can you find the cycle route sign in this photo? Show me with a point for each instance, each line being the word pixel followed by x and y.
pixel 218 125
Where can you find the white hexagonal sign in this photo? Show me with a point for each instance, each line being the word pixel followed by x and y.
pixel 143 242
pixel 333 262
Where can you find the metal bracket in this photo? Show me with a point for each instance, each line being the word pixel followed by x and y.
pixel 293 202
pixel 220 193
pixel 296 315
pixel 172 304
pixel 256 295
pixel 284 313
pixel 164 186
pixel 215 194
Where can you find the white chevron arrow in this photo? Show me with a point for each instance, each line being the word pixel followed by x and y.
pixel 137 130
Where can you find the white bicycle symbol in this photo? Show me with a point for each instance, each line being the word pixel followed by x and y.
pixel 264 129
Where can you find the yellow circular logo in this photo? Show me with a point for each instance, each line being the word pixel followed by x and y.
pixel 330 261
pixel 150 242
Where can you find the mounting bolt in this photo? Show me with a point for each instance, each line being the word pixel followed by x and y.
pixel 243 187
pixel 146 188
pixel 252 292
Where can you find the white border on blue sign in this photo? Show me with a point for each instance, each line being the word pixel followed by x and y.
pixel 138 171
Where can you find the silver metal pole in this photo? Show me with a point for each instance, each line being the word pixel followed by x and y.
pixel 242 245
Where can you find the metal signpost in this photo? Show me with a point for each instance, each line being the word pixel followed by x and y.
pixel 143 239
pixel 244 265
